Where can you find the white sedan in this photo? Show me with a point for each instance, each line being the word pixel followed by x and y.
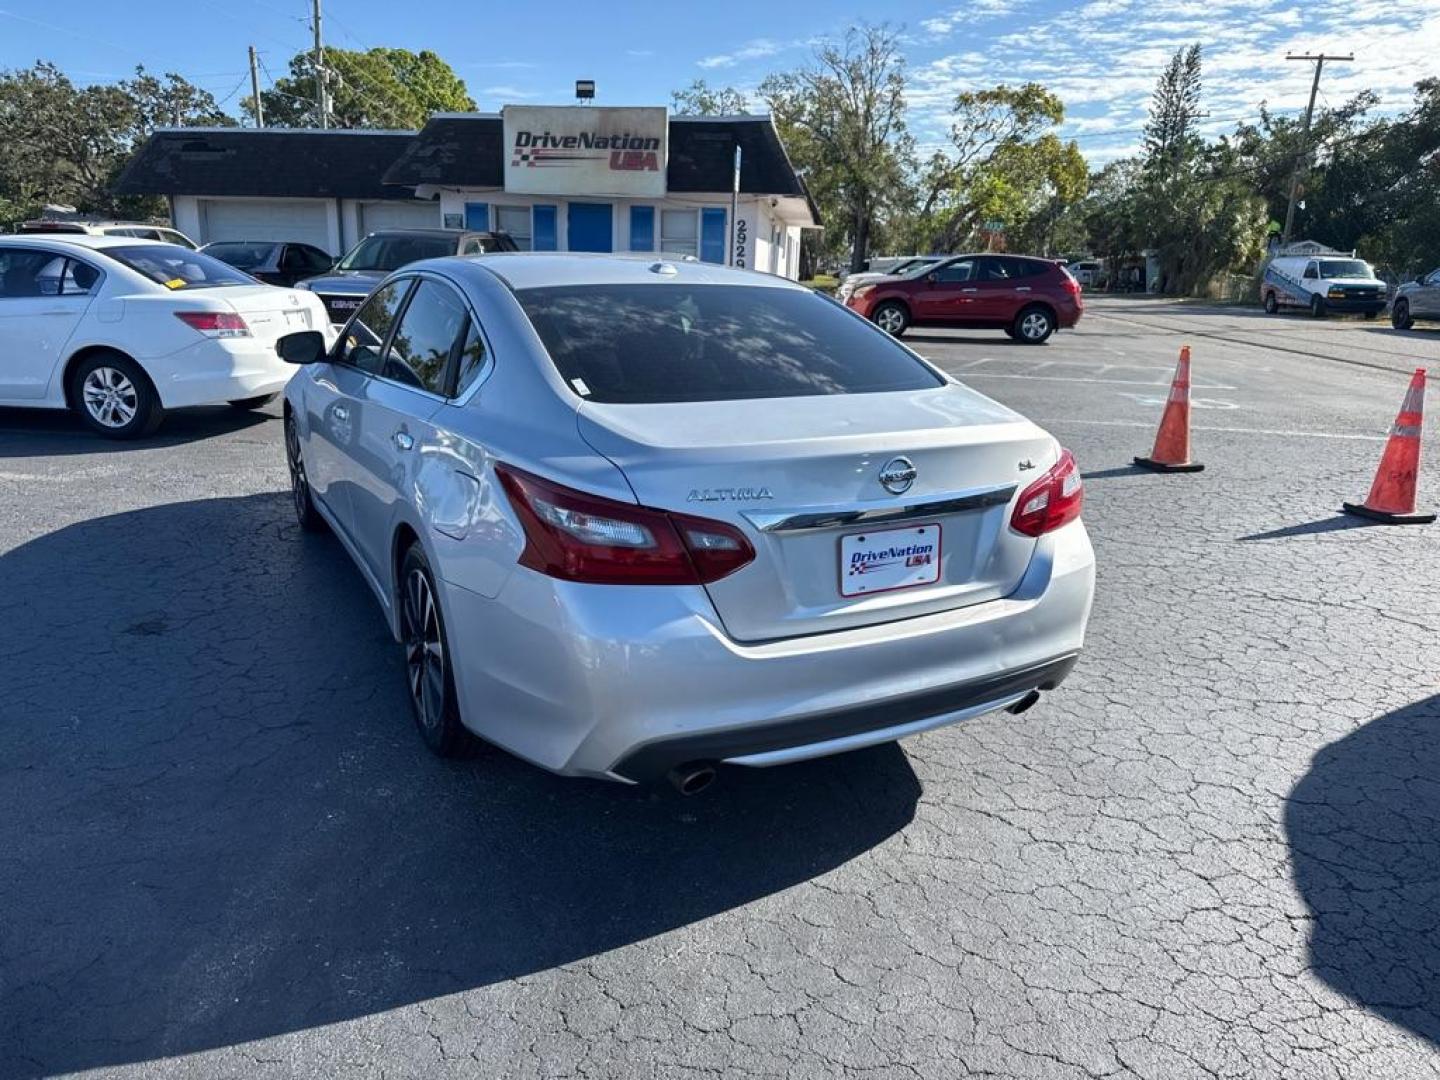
pixel 119 330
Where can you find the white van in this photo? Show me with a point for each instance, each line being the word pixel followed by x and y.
pixel 1322 282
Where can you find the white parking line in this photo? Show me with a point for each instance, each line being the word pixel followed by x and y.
pixel 1079 379
pixel 1228 430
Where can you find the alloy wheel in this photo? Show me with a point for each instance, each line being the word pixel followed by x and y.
pixel 299 483
pixel 890 319
pixel 110 397
pixel 1035 326
pixel 424 650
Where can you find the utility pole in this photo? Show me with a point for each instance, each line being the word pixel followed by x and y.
pixel 1302 158
pixel 255 90
pixel 322 103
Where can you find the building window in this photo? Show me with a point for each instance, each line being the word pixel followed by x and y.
pixel 642 228
pixel 514 220
pixel 680 232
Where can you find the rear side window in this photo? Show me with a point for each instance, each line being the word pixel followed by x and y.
pixel 671 342
pixel 30 273
pixel 425 338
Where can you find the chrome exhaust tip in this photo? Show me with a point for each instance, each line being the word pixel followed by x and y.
pixel 692 779
pixel 1024 703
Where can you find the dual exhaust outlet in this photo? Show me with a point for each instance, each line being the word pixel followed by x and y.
pixel 693 777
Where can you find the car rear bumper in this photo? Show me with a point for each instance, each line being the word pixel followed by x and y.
pixel 212 372
pixel 626 682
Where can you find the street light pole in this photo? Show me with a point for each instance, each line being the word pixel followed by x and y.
pixel 1302 158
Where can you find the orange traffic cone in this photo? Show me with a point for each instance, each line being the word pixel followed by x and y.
pixel 1172 441
pixel 1392 495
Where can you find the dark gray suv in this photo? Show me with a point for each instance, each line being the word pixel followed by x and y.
pixel 373 259
pixel 1418 299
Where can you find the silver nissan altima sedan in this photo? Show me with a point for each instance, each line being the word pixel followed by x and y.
pixel 632 518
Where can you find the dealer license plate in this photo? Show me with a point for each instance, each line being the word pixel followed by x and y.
pixel 887 559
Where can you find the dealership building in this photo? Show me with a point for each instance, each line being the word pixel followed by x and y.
pixel 568 178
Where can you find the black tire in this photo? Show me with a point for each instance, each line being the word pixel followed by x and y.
pixel 428 674
pixel 305 512
pixel 891 316
pixel 1272 306
pixel 1400 315
pixel 1317 307
pixel 254 402
pixel 114 397
pixel 1033 326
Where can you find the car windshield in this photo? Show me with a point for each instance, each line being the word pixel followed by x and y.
pixel 1332 268
pixel 655 343
pixel 244 256
pixel 176 267
pixel 392 252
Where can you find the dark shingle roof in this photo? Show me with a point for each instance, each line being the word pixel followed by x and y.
pixel 274 162
pixel 468 151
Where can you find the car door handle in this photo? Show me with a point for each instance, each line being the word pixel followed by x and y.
pixel 404 440
pixel 969 290
pixel 341 412
pixel 1022 288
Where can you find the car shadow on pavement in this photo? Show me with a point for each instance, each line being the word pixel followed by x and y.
pixel 1364 832
pixel 221 826
pixel 31 433
pixel 1338 523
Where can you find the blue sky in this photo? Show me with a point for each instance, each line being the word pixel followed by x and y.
pixel 1101 56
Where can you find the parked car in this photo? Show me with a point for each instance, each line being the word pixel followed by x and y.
pixel 1088 272
pixel 629 519
pixel 120 330
pixel 1418 299
pixel 901 269
pixel 380 253
pixel 275 264
pixel 135 230
pixel 1322 283
pixel 1027 298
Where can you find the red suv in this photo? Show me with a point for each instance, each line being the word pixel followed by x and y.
pixel 1027 298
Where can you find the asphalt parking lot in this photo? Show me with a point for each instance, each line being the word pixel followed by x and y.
pixel 1215 852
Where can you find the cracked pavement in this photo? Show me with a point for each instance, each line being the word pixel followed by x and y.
pixel 1212 853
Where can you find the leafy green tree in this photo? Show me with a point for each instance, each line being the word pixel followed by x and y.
pixel 1171 139
pixel 65 144
pixel 842 117
pixel 378 88
pixel 1004 164
pixel 701 99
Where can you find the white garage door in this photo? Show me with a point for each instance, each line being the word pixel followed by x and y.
pixel 265 219
pixel 398 215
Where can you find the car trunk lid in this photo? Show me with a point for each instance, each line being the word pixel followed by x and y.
pixel 835 549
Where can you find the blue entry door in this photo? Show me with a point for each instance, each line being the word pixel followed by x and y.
pixel 591 227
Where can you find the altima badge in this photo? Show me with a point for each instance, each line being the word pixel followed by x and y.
pixel 1026 465
pixel 743 494
pixel 897 474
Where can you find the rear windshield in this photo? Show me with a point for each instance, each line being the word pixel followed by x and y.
pixel 640 344
pixel 244 256
pixel 1344 268
pixel 392 252
pixel 176 267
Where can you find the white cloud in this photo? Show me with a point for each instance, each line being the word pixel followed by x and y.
pixel 508 93
pixel 1103 57
pixel 751 50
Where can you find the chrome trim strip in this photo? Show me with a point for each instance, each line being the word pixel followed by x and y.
pixel 778 521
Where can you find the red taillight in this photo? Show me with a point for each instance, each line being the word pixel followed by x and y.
pixel 1069 283
pixel 580 537
pixel 1051 501
pixel 215 323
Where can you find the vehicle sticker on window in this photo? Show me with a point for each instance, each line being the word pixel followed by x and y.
pixel 176 283
pixel 580 387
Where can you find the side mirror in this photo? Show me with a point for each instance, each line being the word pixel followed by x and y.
pixel 304 347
